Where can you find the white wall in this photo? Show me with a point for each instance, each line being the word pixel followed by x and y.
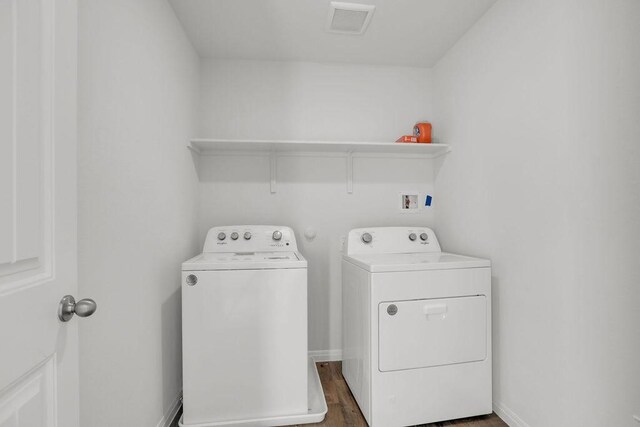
pixel 540 101
pixel 137 198
pixel 271 100
pixel 311 101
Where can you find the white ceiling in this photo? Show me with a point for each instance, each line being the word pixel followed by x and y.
pixel 402 32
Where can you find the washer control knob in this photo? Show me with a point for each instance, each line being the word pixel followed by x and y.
pixel 424 237
pixel 277 235
pixel 247 235
pixel 222 236
pixel 412 236
pixel 234 236
pixel 366 238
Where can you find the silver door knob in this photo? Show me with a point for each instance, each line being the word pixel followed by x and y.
pixel 68 307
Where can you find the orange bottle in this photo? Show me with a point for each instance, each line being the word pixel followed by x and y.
pixel 423 132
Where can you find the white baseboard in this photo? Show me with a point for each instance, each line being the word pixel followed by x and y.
pixel 508 416
pixel 326 355
pixel 168 416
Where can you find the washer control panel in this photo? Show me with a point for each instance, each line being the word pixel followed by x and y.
pixel 392 240
pixel 250 238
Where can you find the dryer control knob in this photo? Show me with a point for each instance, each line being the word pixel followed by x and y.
pixel 424 237
pixel 277 235
pixel 234 236
pixel 247 236
pixel 222 236
pixel 366 238
pixel 412 236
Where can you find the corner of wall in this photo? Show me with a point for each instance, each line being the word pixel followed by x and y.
pixel 508 416
pixel 171 412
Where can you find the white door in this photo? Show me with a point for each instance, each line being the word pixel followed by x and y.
pixel 38 352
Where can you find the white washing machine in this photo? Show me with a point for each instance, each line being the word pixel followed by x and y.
pixel 244 332
pixel 416 328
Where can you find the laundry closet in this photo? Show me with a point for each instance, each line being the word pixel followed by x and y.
pixel 195 115
pixel 510 89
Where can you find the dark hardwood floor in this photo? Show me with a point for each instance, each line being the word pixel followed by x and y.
pixel 344 411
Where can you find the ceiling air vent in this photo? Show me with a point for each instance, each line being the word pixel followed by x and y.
pixel 349 18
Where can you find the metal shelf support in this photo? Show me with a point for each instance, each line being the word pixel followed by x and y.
pixel 350 172
pixel 273 161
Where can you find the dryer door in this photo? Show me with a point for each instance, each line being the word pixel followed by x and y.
pixel 432 332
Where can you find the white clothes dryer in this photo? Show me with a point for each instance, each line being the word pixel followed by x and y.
pixel 244 332
pixel 416 328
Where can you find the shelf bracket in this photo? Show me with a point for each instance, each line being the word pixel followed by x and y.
pixel 273 162
pixel 350 172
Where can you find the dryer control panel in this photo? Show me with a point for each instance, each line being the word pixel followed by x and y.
pixel 250 238
pixel 392 240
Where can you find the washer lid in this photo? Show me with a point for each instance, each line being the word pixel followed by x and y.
pixel 377 263
pixel 244 261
